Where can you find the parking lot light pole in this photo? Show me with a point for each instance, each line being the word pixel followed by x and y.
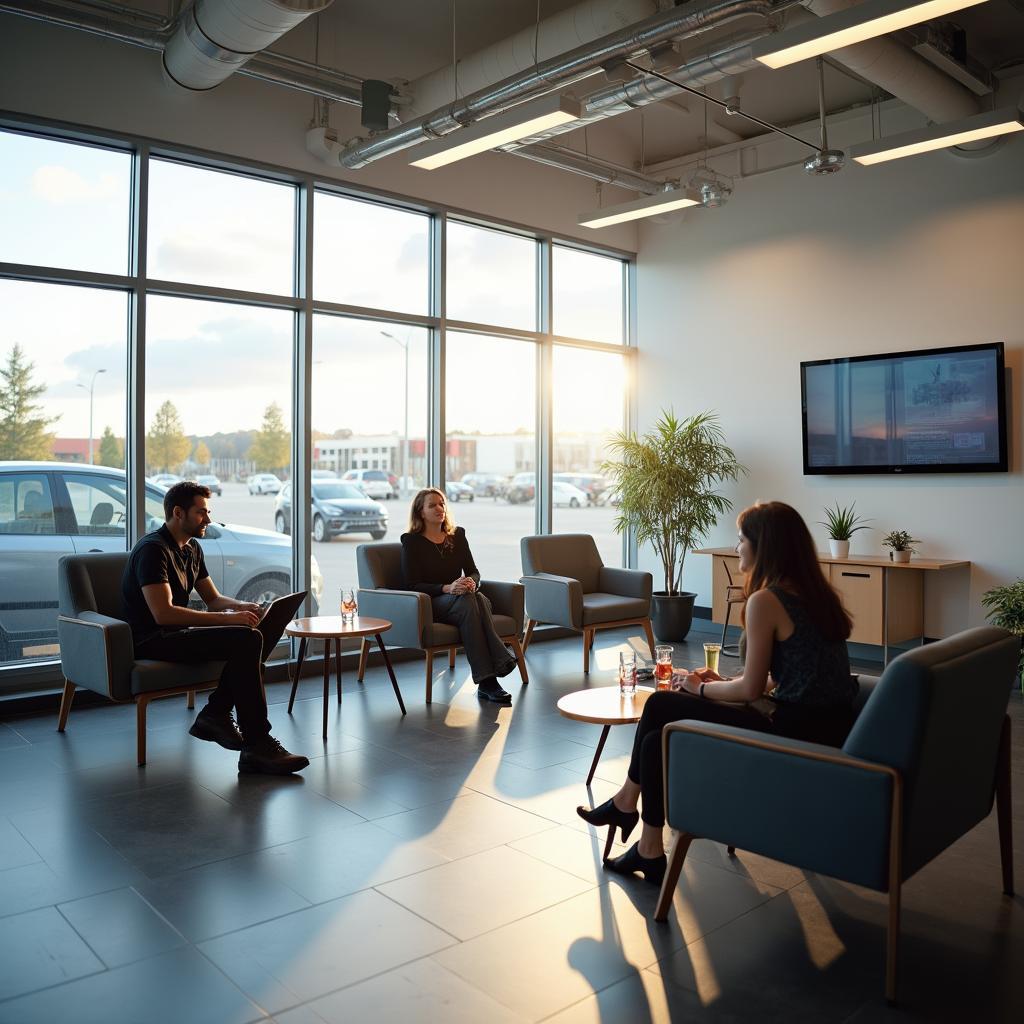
pixel 403 483
pixel 92 384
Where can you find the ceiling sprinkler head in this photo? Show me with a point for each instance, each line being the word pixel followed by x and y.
pixel 714 194
pixel 825 161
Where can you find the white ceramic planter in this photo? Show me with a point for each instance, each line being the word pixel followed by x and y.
pixel 900 556
pixel 839 548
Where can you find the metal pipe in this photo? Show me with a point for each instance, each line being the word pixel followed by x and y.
pixel 681 22
pixel 596 170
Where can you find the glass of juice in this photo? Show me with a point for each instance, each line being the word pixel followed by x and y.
pixel 663 666
pixel 348 606
pixel 711 652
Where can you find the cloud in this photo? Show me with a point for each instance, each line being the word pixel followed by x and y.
pixel 56 184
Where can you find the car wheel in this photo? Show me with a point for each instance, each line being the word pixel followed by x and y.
pixel 378 534
pixel 573 503
pixel 279 523
pixel 319 530
pixel 264 588
pixel 472 496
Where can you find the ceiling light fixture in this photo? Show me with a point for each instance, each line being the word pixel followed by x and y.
pixel 511 126
pixel 649 206
pixel 988 125
pixel 846 28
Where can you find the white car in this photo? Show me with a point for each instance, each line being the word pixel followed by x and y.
pixel 563 494
pixel 264 483
pixel 375 483
pixel 165 480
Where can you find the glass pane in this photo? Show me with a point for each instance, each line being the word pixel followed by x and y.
pixel 491 448
pixel 589 295
pixel 220 229
pixel 64 205
pixel 369 438
pixel 492 277
pixel 583 417
pixel 63 369
pixel 237 439
pixel 368 254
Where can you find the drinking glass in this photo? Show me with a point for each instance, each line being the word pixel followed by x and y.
pixel 627 673
pixel 663 666
pixel 711 652
pixel 348 606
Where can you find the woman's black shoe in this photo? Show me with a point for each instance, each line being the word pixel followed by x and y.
pixel 608 814
pixel 653 868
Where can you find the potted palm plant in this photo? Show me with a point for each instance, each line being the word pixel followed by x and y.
pixel 1006 608
pixel 842 523
pixel 666 481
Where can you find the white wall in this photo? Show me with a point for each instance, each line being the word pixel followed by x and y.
pixel 921 252
pixel 66 75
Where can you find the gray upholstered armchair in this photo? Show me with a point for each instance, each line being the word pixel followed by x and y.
pixel 567 584
pixel 382 594
pixel 96 650
pixel 928 754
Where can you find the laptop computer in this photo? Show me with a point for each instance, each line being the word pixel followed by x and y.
pixel 277 615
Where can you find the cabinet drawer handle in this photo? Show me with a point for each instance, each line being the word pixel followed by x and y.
pixel 857 575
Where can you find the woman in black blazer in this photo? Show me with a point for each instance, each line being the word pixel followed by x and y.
pixel 436 561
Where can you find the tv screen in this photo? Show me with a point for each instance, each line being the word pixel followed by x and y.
pixel 938 410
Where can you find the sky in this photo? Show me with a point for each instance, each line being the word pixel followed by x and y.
pixel 222 363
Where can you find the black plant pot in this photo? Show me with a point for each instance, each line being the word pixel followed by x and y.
pixel 672 615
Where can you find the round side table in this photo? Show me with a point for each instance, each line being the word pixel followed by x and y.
pixel 330 628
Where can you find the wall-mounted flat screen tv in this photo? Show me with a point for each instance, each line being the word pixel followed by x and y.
pixel 940 410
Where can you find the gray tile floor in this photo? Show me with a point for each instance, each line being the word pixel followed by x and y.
pixel 433 869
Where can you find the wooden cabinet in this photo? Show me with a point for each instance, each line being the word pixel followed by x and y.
pixel 860 588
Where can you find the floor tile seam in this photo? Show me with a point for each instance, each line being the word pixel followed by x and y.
pixel 43 906
pixel 88 944
pixel 540 860
pixel 60 984
pixel 102 838
pixel 507 803
pixel 426 920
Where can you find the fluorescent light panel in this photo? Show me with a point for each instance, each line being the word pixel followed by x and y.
pixel 518 123
pixel 846 28
pixel 940 136
pixel 648 206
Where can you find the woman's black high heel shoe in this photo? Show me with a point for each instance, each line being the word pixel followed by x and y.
pixel 608 814
pixel 653 868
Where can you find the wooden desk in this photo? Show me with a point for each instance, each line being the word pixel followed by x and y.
pixel 884 598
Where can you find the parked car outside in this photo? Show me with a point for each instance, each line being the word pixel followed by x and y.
pixel 458 492
pixel 592 485
pixel 264 483
pixel 522 488
pixel 323 474
pixel 209 480
pixel 165 480
pixel 338 508
pixel 374 482
pixel 565 495
pixel 485 485
pixel 49 509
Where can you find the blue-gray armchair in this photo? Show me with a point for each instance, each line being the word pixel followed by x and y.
pixel 927 756
pixel 567 584
pixel 96 650
pixel 382 594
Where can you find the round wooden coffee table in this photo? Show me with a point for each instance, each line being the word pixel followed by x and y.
pixel 607 706
pixel 328 628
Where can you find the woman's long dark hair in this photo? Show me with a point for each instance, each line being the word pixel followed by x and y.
pixel 784 556
pixel 416 523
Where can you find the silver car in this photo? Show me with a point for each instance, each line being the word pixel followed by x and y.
pixel 49 509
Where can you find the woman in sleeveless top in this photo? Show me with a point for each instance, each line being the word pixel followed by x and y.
pixel 797 671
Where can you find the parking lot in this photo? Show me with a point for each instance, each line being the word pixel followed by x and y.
pixel 492 525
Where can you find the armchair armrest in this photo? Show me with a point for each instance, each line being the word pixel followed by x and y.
pixel 554 599
pixel 802 803
pixel 409 612
pixel 625 582
pixel 506 599
pixel 96 651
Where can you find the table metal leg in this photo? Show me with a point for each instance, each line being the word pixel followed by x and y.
pixel 298 672
pixel 327 680
pixel 337 663
pixel 391 672
pixel 597 754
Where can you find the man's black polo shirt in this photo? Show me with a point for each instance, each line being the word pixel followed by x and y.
pixel 157 558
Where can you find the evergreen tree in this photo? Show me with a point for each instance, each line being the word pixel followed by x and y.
pixel 24 433
pixel 271 447
pixel 201 456
pixel 111 451
pixel 167 447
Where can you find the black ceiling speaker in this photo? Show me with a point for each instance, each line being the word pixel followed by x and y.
pixel 376 96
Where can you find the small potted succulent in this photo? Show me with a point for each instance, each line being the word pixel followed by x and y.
pixel 1006 608
pixel 842 523
pixel 901 545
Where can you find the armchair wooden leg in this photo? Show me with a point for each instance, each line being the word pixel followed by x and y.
pixel 588 639
pixel 520 660
pixel 65 704
pixel 528 634
pixel 892 944
pixel 364 652
pixel 680 844
pixel 451 659
pixel 430 676
pixel 1004 807
pixel 140 728
pixel 650 636
pixel 191 702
